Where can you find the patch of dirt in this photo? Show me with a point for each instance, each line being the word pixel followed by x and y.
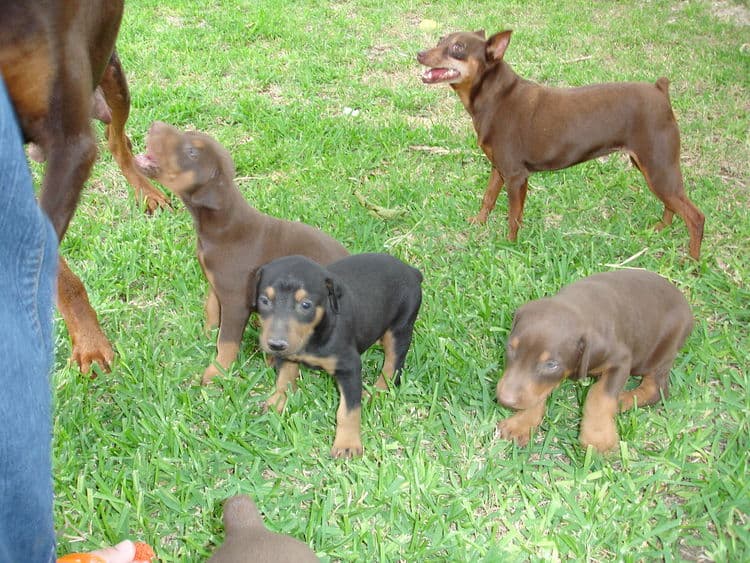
pixel 731 12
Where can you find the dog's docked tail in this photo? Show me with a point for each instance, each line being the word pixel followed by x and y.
pixel 663 85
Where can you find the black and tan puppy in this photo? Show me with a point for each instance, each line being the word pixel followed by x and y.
pixel 248 541
pixel 524 127
pixel 610 325
pixel 326 317
pixel 234 239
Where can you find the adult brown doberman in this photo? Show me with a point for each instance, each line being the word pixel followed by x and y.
pixel 52 55
pixel 524 127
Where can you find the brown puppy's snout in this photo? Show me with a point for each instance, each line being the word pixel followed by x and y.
pixel 506 394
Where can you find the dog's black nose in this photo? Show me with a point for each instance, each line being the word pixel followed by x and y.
pixel 277 344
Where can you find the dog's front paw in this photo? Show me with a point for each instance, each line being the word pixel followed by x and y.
pixel 276 401
pixel 209 374
pixel 347 449
pixel 602 439
pixel 90 349
pixel 515 429
pixel 478 219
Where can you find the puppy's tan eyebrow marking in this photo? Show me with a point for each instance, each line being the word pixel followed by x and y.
pixel 300 294
pixel 544 356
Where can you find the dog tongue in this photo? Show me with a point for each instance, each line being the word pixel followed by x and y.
pixel 433 75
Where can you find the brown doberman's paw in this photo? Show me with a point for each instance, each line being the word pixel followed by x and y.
pixel 478 219
pixel 601 439
pixel 276 401
pixel 514 429
pixel 92 349
pixel 347 451
pixel 155 200
pixel 209 374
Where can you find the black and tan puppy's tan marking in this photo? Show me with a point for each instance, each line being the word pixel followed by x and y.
pixel 326 317
pixel 524 127
pixel 610 325
pixel 234 239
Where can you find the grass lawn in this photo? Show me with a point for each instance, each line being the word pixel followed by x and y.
pixel 319 103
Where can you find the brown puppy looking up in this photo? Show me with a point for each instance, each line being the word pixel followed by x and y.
pixel 524 127
pixel 610 326
pixel 248 541
pixel 234 239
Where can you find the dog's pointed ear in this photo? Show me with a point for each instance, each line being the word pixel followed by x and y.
pixel 497 44
pixel 480 33
pixel 584 357
pixel 334 294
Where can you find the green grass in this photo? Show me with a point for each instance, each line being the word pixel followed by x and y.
pixel 145 452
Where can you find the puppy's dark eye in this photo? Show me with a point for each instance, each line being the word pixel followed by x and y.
pixel 191 152
pixel 305 304
pixel 458 48
pixel 264 301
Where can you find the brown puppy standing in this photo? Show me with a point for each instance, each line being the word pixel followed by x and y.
pixel 610 325
pixel 248 541
pixel 524 127
pixel 234 239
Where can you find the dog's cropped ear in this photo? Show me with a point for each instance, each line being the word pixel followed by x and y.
pixel 583 350
pixel 480 33
pixel 334 294
pixel 497 44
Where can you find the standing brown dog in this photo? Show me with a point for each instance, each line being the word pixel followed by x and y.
pixel 524 127
pixel 610 325
pixel 52 54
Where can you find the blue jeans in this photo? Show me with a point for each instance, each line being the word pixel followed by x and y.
pixel 28 266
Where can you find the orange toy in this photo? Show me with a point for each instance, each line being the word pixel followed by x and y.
pixel 143 552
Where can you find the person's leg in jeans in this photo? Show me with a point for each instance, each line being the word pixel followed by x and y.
pixel 28 265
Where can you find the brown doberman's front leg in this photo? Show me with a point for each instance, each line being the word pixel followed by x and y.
pixel 233 320
pixel 494 186
pixel 88 341
pixel 517 188
pixel 519 426
pixel 598 428
pixel 212 310
pixel 116 93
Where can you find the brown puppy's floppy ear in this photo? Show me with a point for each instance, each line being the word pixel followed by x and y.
pixel 205 197
pixel 584 357
pixel 480 33
pixel 334 292
pixel 497 44
pixel 253 289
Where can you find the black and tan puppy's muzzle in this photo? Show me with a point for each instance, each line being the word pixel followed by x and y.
pixel 287 321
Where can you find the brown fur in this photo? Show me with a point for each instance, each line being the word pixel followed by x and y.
pixel 248 541
pixel 611 326
pixel 234 239
pixel 524 127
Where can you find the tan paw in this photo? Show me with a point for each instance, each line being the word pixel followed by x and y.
pixel 209 374
pixel 514 429
pixel 601 439
pixel 478 219
pixel 277 401
pixel 347 450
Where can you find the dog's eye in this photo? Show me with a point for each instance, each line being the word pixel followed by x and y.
pixel 550 367
pixel 264 301
pixel 458 47
pixel 305 304
pixel 191 152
